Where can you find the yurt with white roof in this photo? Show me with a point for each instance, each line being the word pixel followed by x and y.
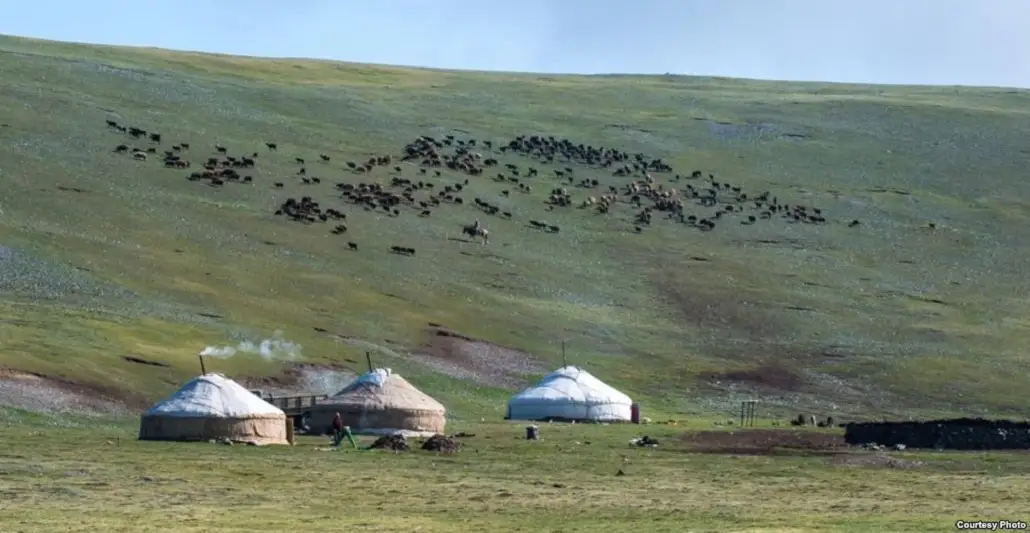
pixel 571 394
pixel 380 402
pixel 213 406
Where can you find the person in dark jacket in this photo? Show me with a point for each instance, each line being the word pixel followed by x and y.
pixel 341 431
pixel 337 429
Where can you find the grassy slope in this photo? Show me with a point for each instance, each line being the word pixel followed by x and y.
pixel 636 308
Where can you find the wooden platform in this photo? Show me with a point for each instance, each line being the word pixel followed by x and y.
pixel 295 406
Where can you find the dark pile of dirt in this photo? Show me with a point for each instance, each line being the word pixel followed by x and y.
pixel 396 443
pixel 765 442
pixel 440 443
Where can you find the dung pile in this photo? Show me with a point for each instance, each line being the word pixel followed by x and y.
pixel 396 443
pixel 644 442
pixel 440 443
pixel 955 434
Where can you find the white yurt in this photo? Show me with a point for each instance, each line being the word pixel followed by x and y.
pixel 571 394
pixel 381 402
pixel 213 406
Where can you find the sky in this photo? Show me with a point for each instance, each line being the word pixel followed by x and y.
pixel 935 42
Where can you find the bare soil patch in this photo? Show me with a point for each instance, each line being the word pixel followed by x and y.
pixel 769 376
pixel 765 442
pixel 463 357
pixel 691 298
pixel 303 378
pixel 143 361
pixel 46 394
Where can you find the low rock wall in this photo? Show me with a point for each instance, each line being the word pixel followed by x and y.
pixel 955 434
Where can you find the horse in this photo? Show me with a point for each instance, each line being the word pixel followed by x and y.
pixel 475 231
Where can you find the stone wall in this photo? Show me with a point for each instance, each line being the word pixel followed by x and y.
pixel 954 434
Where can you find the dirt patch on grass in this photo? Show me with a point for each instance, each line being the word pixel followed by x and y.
pixel 144 361
pixel 464 357
pixel 45 394
pixel 742 326
pixel 697 301
pixel 765 442
pixel 303 378
pixel 771 376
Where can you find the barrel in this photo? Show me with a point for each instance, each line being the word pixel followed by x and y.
pixel 634 413
pixel 532 432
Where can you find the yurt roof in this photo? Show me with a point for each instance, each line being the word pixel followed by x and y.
pixel 572 383
pixel 214 396
pixel 383 389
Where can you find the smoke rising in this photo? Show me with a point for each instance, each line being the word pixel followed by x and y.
pixel 322 381
pixel 276 348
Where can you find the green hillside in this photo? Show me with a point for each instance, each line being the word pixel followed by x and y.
pixel 920 308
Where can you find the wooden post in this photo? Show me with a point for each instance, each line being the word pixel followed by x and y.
pixel 203 370
pixel 368 357
pixel 564 360
pixel 289 430
pixel 747 413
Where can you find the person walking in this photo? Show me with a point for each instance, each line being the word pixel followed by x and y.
pixel 337 429
pixel 341 431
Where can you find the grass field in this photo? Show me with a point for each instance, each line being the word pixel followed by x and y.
pixel 919 310
pixel 74 479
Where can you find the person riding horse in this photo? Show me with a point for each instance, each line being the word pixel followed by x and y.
pixel 476 230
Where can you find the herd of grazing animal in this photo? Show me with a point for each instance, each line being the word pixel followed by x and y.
pixel 694 200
